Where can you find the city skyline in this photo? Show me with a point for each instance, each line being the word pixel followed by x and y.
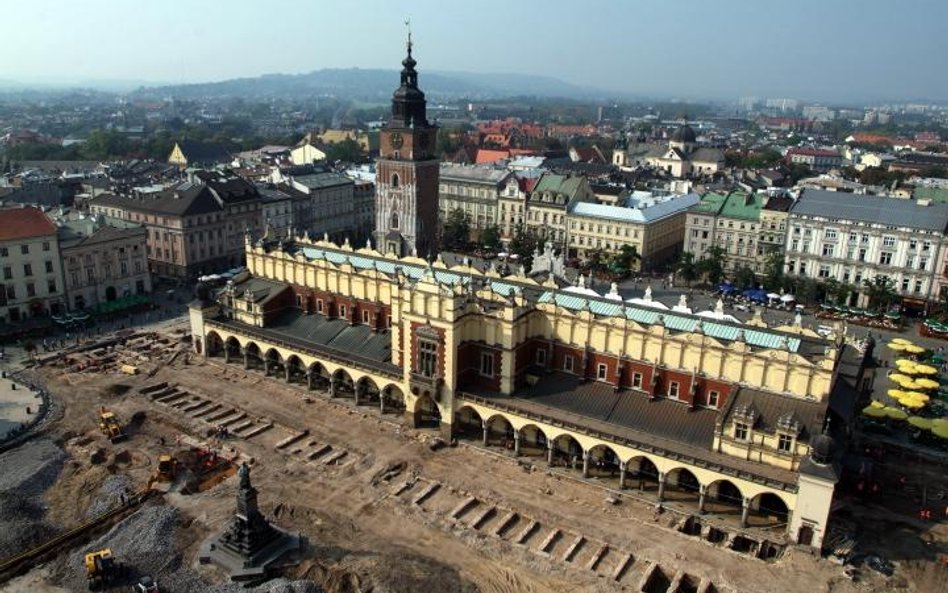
pixel 812 51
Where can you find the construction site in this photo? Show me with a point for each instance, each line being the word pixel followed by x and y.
pixel 148 445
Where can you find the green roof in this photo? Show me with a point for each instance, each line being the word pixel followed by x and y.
pixel 742 206
pixel 561 184
pixel 710 203
pixel 938 195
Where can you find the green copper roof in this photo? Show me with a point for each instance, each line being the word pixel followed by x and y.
pixel 674 321
pixel 742 206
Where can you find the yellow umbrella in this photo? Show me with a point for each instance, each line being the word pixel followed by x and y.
pixel 907 384
pixel 912 403
pixel 912 348
pixel 898 377
pixel 894 413
pixel 940 430
pixel 919 396
pixel 901 341
pixel 895 393
pixel 927 383
pixel 874 412
pixel 896 347
pixel 919 422
pixel 877 404
pixel 904 361
pixel 926 369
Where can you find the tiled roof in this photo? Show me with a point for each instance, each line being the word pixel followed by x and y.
pixel 874 209
pixel 771 408
pixel 203 152
pixel 24 223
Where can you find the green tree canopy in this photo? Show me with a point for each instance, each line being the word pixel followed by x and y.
pixel 490 238
pixel 456 231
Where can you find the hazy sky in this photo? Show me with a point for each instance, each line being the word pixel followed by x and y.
pixel 692 48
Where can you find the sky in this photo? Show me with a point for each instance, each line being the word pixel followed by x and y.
pixel 811 49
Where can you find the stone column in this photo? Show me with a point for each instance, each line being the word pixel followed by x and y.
pixel 745 511
pixel 309 380
pixel 622 470
pixel 702 495
pixel 355 392
pixel 226 354
pixel 585 465
pixel 549 453
pixel 332 387
pixel 286 372
pixel 484 438
pixel 266 368
pixel 246 360
pixel 382 401
pixel 661 486
pixel 516 443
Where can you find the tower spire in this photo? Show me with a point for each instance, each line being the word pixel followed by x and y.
pixel 408 25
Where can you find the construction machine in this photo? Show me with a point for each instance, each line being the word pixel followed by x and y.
pixel 164 474
pixel 102 569
pixel 110 426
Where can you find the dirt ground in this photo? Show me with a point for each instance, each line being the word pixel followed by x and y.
pixel 373 525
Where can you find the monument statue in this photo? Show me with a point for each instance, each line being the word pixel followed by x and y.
pixel 243 472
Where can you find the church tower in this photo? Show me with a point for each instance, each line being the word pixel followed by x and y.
pixel 407 171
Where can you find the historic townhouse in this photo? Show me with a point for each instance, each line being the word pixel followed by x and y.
pixel 731 222
pixel 32 282
pixel 473 190
pixel 852 238
pixel 655 226
pixel 549 203
pixel 195 227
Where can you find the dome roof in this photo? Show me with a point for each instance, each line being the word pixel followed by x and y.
pixel 821 449
pixel 684 134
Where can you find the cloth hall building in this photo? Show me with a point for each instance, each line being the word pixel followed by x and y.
pixel 731 420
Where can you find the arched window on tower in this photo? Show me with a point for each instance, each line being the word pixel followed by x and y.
pixel 394 179
pixel 394 222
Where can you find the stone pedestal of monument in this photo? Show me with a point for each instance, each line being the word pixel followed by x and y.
pixel 250 547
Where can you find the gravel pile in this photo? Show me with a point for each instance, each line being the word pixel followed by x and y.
pixel 25 474
pixel 31 468
pixel 145 543
pixel 109 495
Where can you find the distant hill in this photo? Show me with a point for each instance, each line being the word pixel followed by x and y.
pixel 376 84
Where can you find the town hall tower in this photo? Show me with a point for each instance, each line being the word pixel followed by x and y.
pixel 406 198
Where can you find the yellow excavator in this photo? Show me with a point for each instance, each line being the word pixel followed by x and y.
pixel 102 569
pixel 110 426
pixel 164 474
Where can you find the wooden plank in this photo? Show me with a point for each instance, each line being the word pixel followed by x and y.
pixel 550 539
pixel 465 505
pixel 506 523
pixel 258 430
pixel 594 561
pixel 573 548
pixel 335 456
pixel 483 516
pixel 292 439
pixel 320 450
pixel 526 532
pixel 426 493
pixel 624 563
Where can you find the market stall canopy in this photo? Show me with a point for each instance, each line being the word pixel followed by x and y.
pixel 919 422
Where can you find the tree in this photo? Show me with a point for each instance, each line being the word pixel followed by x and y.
pixel 523 244
pixel 626 261
pixel 712 264
pixel 773 269
pixel 807 290
pixel 490 238
pixel 595 261
pixel 687 269
pixel 745 278
pixel 456 230
pixel 880 291
pixel 349 151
